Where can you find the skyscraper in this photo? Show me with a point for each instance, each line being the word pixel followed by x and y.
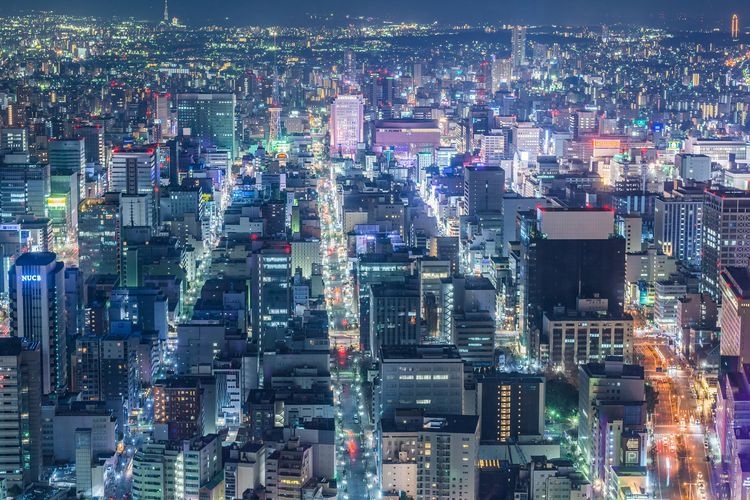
pixel 98 235
pixel 93 138
pixel 726 239
pixel 68 157
pixel 37 312
pixel 483 190
pixel 133 170
pixel 347 125
pixel 208 117
pixel 274 123
pixel 518 43
pixel 735 27
pixel 20 420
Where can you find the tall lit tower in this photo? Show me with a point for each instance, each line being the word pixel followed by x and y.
pixel 166 11
pixel 735 27
pixel 518 46
pixel 347 124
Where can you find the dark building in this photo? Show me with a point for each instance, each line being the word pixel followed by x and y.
pixel 511 407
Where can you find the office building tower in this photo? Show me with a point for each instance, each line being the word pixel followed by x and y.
pixel 118 368
pixel 24 187
pixel 67 158
pixel 734 283
pixel 20 420
pixel 288 469
pixel 273 303
pixel 163 114
pixel 726 239
pixel 483 190
pixel 133 170
pixel 735 27
pixel 347 125
pixel 511 407
pixel 430 455
pixel 15 140
pixel 612 409
pixel 518 46
pixel 209 118
pixel 93 140
pixel 395 317
pixel 178 409
pixel 678 224
pixel 98 235
pixel 37 312
pixel 83 462
pixel 474 336
pixel 572 248
pixel 429 377
pixel 502 73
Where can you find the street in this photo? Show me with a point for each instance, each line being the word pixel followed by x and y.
pixel 680 424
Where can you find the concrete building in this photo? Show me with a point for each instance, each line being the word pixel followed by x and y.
pixel 474 336
pixel 511 407
pixel 429 456
pixel 347 125
pixel 430 377
pixel 395 316
pixel 693 167
pixel 244 469
pixel 734 283
pixel 288 469
pixel 678 224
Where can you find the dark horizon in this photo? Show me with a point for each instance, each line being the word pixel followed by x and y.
pixel 670 13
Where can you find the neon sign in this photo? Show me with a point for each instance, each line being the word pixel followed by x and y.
pixel 31 277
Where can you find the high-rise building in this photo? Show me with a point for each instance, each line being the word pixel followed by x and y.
pixel 678 224
pixel 176 469
pixel 347 125
pixel 693 167
pixel 734 283
pixel 574 249
pixel 37 312
pixel 24 187
pixel 272 297
pixel 208 117
pixel 68 158
pixel 726 239
pixel 274 123
pixel 429 377
pixel 735 28
pixel 21 419
pixel 93 139
pixel 288 469
pixel 483 190
pixel 133 170
pixel 98 235
pixel 430 455
pixel 394 316
pixel 511 407
pixel 612 406
pixel 518 46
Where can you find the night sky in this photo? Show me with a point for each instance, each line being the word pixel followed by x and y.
pixel 673 13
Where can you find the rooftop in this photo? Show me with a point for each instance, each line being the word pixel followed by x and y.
pixel 419 352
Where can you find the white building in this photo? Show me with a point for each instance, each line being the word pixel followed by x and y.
pixel 347 125
pixel 430 457
pixel 133 170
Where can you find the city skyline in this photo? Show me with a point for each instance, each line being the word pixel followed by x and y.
pixel 670 13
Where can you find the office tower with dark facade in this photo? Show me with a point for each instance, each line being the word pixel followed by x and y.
pixel 573 249
pixel 271 294
pixel 20 419
pixel 511 407
pixel 68 158
pixel 678 224
pixel 208 117
pixel 37 312
pixel 93 139
pixel 394 315
pixel 726 235
pixel 483 190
